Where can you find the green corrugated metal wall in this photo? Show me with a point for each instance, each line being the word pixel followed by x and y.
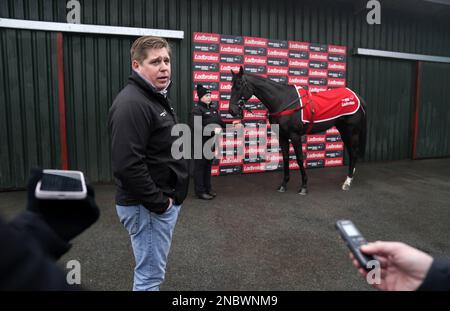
pixel 434 114
pixel 97 66
pixel 29 133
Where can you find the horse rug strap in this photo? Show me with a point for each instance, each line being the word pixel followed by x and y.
pixel 327 105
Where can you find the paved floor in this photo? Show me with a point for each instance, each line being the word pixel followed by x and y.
pixel 254 238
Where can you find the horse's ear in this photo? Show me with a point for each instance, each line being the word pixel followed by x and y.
pixel 241 71
pixel 232 73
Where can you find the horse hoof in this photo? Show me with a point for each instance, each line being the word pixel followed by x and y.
pixel 303 191
pixel 282 189
pixel 345 187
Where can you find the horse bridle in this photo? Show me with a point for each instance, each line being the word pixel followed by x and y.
pixel 242 100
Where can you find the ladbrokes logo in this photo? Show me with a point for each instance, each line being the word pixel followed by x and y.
pixel 318 56
pixel 335 49
pixel 336 66
pixel 332 131
pixel 272 70
pixel 349 101
pixel 302 46
pixel 333 162
pixel 335 146
pixel 206 37
pixel 277 53
pixel 206 76
pixel 255 41
pixel 298 80
pixel 236 49
pixel 298 63
pixel 255 60
pixel 315 139
pixel 225 86
pixel 229 67
pixel 318 73
pixel 230 160
pixel 315 155
pixel 253 168
pixel 206 57
pixel 336 82
pixel 256 114
pixel 317 89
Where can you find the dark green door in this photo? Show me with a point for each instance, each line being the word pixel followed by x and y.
pixel 434 112
pixel 387 87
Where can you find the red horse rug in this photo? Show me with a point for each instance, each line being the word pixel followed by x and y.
pixel 327 105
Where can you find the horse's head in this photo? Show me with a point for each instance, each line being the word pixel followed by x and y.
pixel 241 91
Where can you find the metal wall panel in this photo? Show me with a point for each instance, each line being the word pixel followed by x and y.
pixel 96 67
pixel 28 105
pixel 434 113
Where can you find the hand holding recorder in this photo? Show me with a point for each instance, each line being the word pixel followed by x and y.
pixel 402 266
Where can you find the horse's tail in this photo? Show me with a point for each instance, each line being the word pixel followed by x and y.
pixel 363 131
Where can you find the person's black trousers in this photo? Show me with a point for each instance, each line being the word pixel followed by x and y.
pixel 202 176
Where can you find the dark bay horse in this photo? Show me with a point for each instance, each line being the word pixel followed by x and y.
pixel 279 97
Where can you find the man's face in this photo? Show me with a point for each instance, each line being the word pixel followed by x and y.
pixel 155 68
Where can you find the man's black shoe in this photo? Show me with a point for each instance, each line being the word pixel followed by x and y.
pixel 212 193
pixel 204 196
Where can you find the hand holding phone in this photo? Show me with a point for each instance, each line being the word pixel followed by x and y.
pixel 67 206
pixel 354 240
pixel 61 185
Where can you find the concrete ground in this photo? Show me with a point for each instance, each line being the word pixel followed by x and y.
pixel 254 238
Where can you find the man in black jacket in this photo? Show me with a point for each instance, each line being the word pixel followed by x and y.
pixel 406 268
pixel 151 184
pixel 204 114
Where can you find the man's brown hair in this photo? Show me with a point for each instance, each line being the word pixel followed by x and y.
pixel 141 46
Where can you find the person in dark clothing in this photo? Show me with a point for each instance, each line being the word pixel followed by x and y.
pixel 151 183
pixel 36 238
pixel 204 114
pixel 406 268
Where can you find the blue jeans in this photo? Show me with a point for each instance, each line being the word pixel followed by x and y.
pixel 151 236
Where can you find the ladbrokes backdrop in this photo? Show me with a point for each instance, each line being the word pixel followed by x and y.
pixel 255 149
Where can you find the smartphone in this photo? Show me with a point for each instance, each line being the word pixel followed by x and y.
pixel 61 185
pixel 354 240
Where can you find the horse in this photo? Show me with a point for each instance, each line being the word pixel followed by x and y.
pixel 284 109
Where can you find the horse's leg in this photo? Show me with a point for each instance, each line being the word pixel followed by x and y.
pixel 284 144
pixel 350 137
pixel 297 143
